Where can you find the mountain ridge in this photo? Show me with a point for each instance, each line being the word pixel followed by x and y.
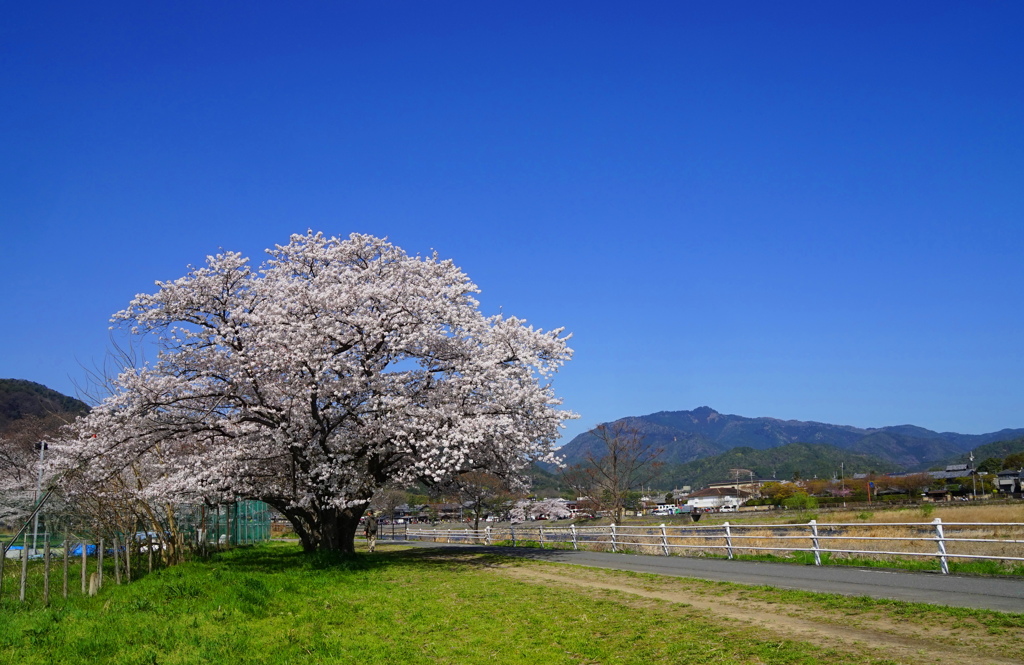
pixel 20 398
pixel 686 436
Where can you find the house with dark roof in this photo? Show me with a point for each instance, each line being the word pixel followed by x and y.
pixel 954 471
pixel 1010 481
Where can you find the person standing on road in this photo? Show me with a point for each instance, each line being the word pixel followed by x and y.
pixel 370 530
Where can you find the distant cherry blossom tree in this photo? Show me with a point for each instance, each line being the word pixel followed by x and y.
pixel 552 509
pixel 337 367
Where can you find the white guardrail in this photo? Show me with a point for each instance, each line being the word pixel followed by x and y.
pixel 942 541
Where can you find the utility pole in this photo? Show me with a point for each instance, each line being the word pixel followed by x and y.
pixel 974 477
pixel 842 480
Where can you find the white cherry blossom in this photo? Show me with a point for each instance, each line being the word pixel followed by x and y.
pixel 310 382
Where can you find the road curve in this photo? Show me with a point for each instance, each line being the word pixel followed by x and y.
pixel 1003 594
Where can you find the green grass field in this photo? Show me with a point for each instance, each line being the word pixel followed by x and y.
pixel 273 604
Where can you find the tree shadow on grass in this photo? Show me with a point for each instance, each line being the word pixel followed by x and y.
pixel 283 559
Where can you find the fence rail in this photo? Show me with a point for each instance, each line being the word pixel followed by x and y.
pixel 943 541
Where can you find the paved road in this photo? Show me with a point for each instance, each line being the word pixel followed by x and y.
pixel 1002 594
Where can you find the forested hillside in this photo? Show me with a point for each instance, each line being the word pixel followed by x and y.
pixel 21 399
pixel 686 436
pixel 793 460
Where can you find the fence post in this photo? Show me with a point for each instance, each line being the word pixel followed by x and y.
pixel 117 560
pixel 814 541
pixel 487 531
pixel 46 570
pixel 541 529
pixel 99 564
pixel 66 564
pixel 85 566
pixel 512 528
pixel 24 567
pixel 728 539
pixel 3 557
pixel 664 540
pixel 941 539
pixel 614 544
pixel 574 545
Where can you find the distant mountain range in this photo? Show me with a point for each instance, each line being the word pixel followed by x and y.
pixel 687 436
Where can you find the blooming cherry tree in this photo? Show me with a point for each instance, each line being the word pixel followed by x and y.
pixel 336 367
pixel 551 509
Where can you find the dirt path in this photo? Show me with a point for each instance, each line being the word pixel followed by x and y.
pixel 879 635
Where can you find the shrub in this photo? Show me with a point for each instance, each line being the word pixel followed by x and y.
pixel 801 501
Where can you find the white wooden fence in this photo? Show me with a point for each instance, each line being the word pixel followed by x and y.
pixel 936 539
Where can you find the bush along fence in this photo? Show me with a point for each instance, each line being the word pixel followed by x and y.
pixel 938 541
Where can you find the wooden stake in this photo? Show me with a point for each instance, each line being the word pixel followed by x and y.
pixel 149 537
pixel 85 568
pixel 99 563
pixel 24 568
pixel 117 560
pixel 66 543
pixel 3 557
pixel 128 544
pixel 46 570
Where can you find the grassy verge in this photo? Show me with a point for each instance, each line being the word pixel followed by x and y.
pixel 272 604
pixel 925 564
pixel 825 604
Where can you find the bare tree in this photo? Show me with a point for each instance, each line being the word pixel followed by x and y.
pixel 387 501
pixel 483 492
pixel 618 465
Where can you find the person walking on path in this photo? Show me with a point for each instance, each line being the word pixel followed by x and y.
pixel 370 530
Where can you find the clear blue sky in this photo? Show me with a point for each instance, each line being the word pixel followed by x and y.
pixel 802 210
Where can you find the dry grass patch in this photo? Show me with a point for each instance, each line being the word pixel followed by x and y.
pixel 891 630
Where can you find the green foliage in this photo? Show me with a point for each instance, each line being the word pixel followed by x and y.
pixel 1014 461
pixel 990 465
pixel 998 451
pixel 801 501
pixel 804 460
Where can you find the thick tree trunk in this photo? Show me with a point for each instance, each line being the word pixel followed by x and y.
pixel 329 529
pixel 338 530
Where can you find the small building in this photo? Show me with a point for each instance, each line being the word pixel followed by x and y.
pixel 682 492
pixel 717 498
pixel 1010 481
